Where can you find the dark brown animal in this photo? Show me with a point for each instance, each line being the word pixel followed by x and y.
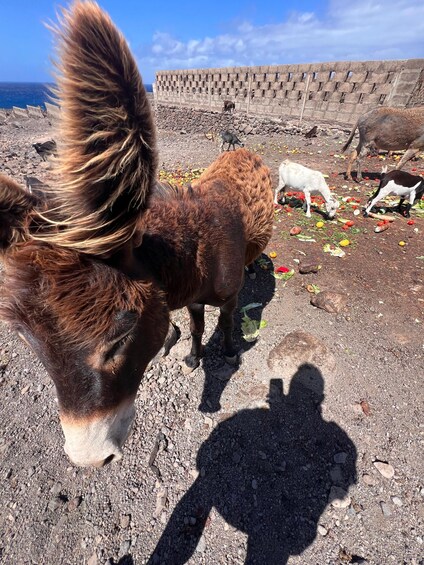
pixel 90 282
pixel 391 129
pixel 229 106
pixel 46 149
pixel 312 132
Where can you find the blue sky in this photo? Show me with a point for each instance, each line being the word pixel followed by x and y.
pixel 175 35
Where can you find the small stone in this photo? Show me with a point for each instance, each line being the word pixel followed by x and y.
pixel 384 469
pixel 385 508
pixel 306 267
pixel 340 458
pixel 124 521
pixel 368 480
pixel 55 503
pixel 254 484
pixel 397 501
pixel 332 302
pixel 161 501
pixel 124 547
pixel 74 503
pixel 92 560
pixel 208 421
pixel 338 497
pixel 322 531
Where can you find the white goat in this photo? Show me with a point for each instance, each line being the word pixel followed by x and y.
pixel 401 184
pixel 307 181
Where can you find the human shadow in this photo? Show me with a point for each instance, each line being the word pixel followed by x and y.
pixel 259 290
pixel 269 473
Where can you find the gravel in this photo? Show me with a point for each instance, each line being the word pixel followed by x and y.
pixel 227 462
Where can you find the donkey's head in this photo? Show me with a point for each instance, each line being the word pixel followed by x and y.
pixel 70 287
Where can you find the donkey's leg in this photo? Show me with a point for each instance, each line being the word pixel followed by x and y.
pixel 352 157
pixel 197 327
pixel 226 325
pixel 409 153
pixel 361 153
pixel 251 270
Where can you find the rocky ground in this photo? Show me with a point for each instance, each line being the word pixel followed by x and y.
pixel 309 453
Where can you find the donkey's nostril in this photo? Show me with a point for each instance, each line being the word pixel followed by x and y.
pixel 108 459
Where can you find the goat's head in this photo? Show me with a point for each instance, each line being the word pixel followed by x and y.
pixel 331 206
pixel 67 288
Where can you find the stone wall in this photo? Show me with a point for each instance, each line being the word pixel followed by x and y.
pixel 330 92
pixel 188 120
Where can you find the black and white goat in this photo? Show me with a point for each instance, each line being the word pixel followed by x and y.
pixel 307 181
pixel 400 183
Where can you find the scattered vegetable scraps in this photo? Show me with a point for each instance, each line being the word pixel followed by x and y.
pixel 249 327
pixel 283 275
pixel 313 288
pixel 334 251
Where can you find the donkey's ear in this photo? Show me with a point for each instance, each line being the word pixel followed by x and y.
pixel 16 205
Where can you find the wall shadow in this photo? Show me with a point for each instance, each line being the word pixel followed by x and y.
pixel 217 371
pixel 268 472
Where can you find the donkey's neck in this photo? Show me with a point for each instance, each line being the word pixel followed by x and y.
pixel 169 252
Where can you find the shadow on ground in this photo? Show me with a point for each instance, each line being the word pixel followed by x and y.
pixel 267 472
pixel 217 372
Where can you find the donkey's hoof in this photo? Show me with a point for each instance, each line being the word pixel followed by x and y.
pixel 232 360
pixel 192 361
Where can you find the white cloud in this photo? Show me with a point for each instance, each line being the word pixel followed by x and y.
pixel 364 30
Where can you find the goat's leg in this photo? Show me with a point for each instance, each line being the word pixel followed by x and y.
pixel 411 199
pixel 197 327
pixel 378 195
pixel 226 325
pixel 308 204
pixel 411 152
pixel 399 206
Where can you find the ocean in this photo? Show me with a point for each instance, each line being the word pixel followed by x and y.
pixel 22 94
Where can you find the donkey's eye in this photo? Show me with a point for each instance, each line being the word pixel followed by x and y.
pixel 117 347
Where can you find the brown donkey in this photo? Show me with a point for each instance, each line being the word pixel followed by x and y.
pixel 93 269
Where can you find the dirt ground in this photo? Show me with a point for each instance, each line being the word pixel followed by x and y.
pixel 311 452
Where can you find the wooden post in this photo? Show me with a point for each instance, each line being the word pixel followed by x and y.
pixel 308 78
pixel 249 87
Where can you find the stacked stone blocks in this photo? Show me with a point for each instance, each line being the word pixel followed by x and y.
pixel 337 92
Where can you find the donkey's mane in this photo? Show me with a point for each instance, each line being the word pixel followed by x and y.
pixel 107 161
